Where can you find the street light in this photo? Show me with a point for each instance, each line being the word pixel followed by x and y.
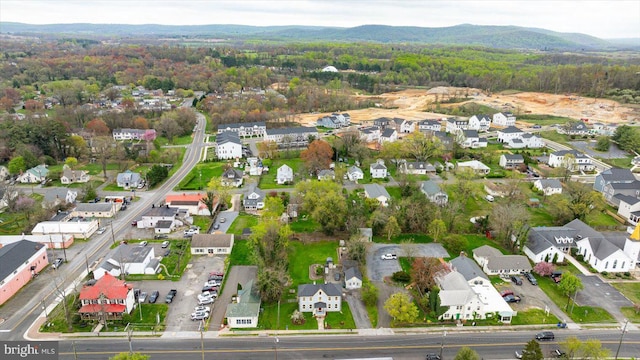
pixel 624 329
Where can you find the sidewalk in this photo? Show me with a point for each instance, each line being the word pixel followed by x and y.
pixel 580 267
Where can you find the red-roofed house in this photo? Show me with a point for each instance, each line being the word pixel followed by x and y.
pixel 191 202
pixel 108 299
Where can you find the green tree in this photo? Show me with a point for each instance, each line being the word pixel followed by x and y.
pixel 273 207
pixel 466 353
pixel 437 228
pixel 401 308
pixel 392 228
pixel 603 144
pixel 357 249
pixel 569 285
pixel 209 200
pixel 627 137
pixel 71 162
pixel 571 346
pixel 89 192
pixel 455 243
pixel 127 356
pixel 16 165
pixel 592 349
pixel 324 201
pixel 532 351
pixel 157 174
pixel 369 293
pixel 422 147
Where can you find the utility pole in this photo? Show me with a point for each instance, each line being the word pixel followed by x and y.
pixel 444 334
pixel 44 308
pixel 75 354
pixel 624 329
pixel 202 337
pixel 113 237
pixel 129 334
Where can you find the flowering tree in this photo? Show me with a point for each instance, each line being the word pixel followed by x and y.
pixel 544 268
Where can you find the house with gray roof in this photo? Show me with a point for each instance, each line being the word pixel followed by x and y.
pixel 249 129
pixel 613 175
pixel 253 200
pixel 548 186
pixel 378 192
pixel 629 208
pixel 511 161
pixel 388 135
pixel 129 180
pixel 130 259
pixel 19 262
pixel 493 262
pixel 574 160
pixel 471 272
pixel 284 174
pixel 100 210
pixel 549 244
pixel 59 196
pixel 609 253
pixel 291 136
pixel 613 190
pixel 319 298
pixel 354 173
pixel 154 214
pixel 228 145
pixel 429 125
pixel 232 177
pixel 244 312
pixel 574 128
pixel 434 193
pixel 211 244
pixel 326 174
pixel 416 167
pixel 352 278
pixel 74 176
pixel 378 170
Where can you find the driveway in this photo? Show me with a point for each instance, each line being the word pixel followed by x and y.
pixel 229 217
pixel 598 293
pixel 358 310
pixel 237 275
pixel 378 268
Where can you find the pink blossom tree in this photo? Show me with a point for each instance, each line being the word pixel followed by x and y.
pixel 544 268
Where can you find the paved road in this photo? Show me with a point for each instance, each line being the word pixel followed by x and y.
pixel 20 312
pixel 492 343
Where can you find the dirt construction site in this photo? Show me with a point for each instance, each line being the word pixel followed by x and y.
pixel 412 104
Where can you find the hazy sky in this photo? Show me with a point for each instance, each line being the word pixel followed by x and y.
pixel 604 19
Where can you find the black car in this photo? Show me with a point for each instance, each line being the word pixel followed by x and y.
pixel 512 298
pixel 432 356
pixel 172 293
pixel 210 288
pixel 545 335
pixel 154 297
pixel 516 280
pixel 531 278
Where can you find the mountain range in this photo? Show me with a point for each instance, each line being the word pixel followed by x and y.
pixel 510 37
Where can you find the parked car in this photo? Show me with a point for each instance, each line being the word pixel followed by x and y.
pixel 545 335
pixel 202 308
pixel 206 301
pixel 222 219
pixel 57 262
pixel 199 316
pixel 489 198
pixel 166 253
pixel 209 288
pixel 172 293
pixel 432 356
pixel 504 293
pixel 512 298
pixel 531 278
pixel 191 232
pixel 161 236
pixel 165 244
pixel 216 226
pixel 205 294
pixel 389 257
pixel 101 230
pixel 558 353
pixel 142 297
pixel 516 280
pixel 537 126
pixel 556 276
pixel 134 223
pixel 154 297
pixel 144 243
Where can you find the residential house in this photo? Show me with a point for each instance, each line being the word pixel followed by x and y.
pixel 429 126
pixel 571 159
pixel 378 192
pixel 128 180
pixel 228 146
pixel 334 121
pixel 416 167
pixel 255 166
pixel 407 127
pixel 613 175
pixel 253 200
pixel 354 173
pixel 4 173
pixel 232 177
pixel 378 170
pixel 511 161
pixel 454 125
pixel 504 119
pixel 529 141
pixel 434 193
pixel 578 128
pixel 251 129
pixel 21 261
pixel 80 228
pixel 445 139
pixel 244 312
pixel 629 208
pixel 291 137
pixel 284 175
pixel 352 278
pixel 35 175
pixel 212 244
pixel 134 134
pixel 74 176
pixel 548 186
pixel 471 139
pixel 480 123
pixel 59 196
pixel 370 134
pixel 326 174
pixel 155 214
pixel 475 165
pixel 388 135
pixel 603 129
pixel 383 123
pixel 493 262
pixel 130 259
pixel 613 191
pixel 319 299
pixel 549 244
pixel 611 253
pixel 107 299
pixel 96 210
pixel 509 133
pixel 192 203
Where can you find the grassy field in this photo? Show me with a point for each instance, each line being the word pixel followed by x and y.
pixel 631 314
pixel 543 119
pixel 268 180
pixel 630 290
pixel 241 253
pixel 204 222
pixel 193 180
pixel 301 256
pixel 181 140
pixel 241 222
pixel 624 163
pixel 12 223
pixel 269 317
pixel 533 317
pixel 340 320
pixel 304 226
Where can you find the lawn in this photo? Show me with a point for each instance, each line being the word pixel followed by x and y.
pixel 241 222
pixel 304 226
pixel 533 317
pixel 180 256
pixel 204 222
pixel 412 238
pixel 269 317
pixel 240 254
pixel 540 217
pixel 631 314
pixel 630 290
pixel 181 140
pixel 395 192
pixel 554 136
pixel 543 119
pixel 200 175
pixel 301 256
pixel 341 320
pixel 580 314
pixel 93 183
pixel 96 169
pixel 148 321
pixel 268 180
pixel 12 223
pixel 624 163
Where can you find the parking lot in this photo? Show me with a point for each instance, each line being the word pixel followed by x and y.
pixel 601 294
pixel 378 269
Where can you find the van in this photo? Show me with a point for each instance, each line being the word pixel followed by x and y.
pixel 489 198
pixel 545 335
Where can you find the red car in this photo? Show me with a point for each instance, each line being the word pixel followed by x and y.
pixel 506 292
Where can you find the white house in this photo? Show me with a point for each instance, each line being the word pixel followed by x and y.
pixel 129 179
pixel 34 175
pixel 433 192
pixel 134 134
pixel 291 137
pixel 629 208
pixel 378 170
pixel 232 177
pixel 74 176
pixel 152 216
pixel 378 192
pixel 493 262
pixel 370 134
pixel 509 133
pixel 531 141
pixel 511 161
pixel 611 253
pixel 571 159
pixel 549 244
pixel 388 135
pixel 82 229
pixel 319 299
pixel 244 312
pixel 548 186
pixel 98 210
pixel 480 123
pixel 253 200
pixel 212 244
pixel 574 128
pixel 250 129
pixel 4 173
pixel 354 173
pixel 429 126
pixel 471 139
pixel 228 146
pixel 59 196
pixel 504 119
pixel 326 174
pixel 454 125
pixel 407 126
pixel 416 167
pixel 352 278
pixel 130 259
pixel 255 166
pixel 603 129
pixel 284 175
pixel 475 165
pixel 334 121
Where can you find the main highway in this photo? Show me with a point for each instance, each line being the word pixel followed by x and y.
pixel 23 309
pixel 490 344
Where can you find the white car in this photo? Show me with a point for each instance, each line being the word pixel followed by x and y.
pixel 205 295
pixel 142 297
pixel 206 301
pixel 212 283
pixel 389 257
pixel 201 308
pixel 101 230
pixel 200 315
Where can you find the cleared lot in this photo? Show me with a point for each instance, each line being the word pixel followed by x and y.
pixel 378 268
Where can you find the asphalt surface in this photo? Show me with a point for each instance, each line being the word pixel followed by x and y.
pixel 377 268
pixel 601 294
pixel 238 275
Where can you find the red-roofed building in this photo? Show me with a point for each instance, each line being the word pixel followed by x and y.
pixel 108 299
pixel 190 202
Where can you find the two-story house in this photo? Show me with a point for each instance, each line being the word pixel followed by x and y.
pixel 250 129
pixel 548 186
pixel 613 175
pixel 74 176
pixel 292 137
pixel 107 299
pixel 382 123
pixel 378 170
pixel 156 214
pixel 228 146
pixel 354 173
pixel 128 180
pixel 429 126
pixel 388 135
pixel 511 161
pixel 232 177
pixel 434 193
pixel 480 123
pixel 128 259
pixel 455 125
pixel 509 133
pixel 34 175
pixel 571 159
pixel 370 134
pixel 253 200
pixel 284 174
pixel 134 134
pixel 504 119
pixel 319 299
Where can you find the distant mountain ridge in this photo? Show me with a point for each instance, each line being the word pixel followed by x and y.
pixel 512 37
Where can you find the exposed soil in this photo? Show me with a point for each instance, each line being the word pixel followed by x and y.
pixel 411 104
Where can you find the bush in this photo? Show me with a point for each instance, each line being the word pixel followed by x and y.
pixel 604 273
pixel 319 270
pixel 627 274
pixel 401 276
